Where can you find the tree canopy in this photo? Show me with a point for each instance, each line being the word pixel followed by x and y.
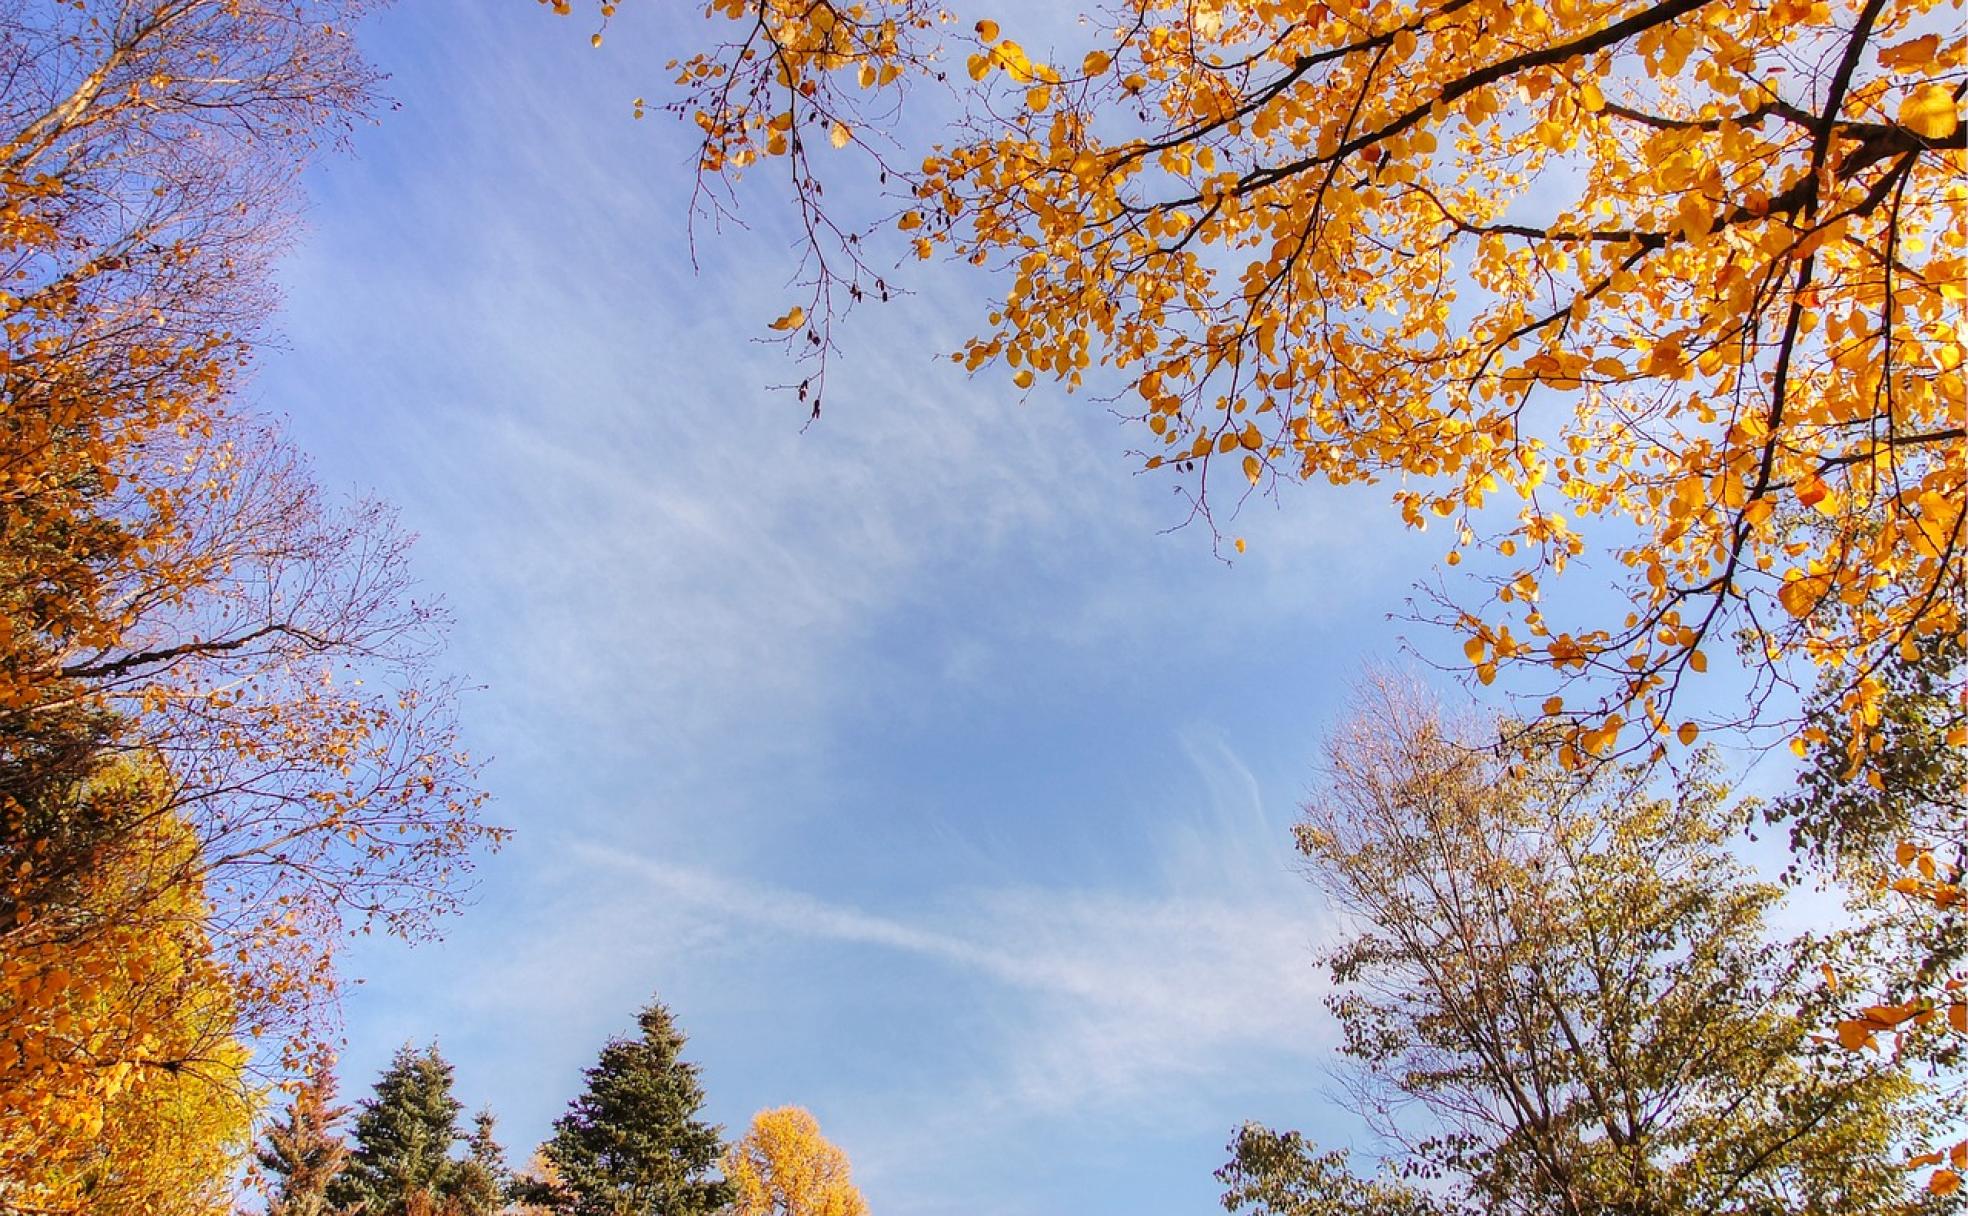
pixel 783 1166
pixel 400 1161
pixel 1560 993
pixel 174 584
pixel 124 1088
pixel 1668 286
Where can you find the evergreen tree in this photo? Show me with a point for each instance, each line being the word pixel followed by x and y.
pixel 480 1183
pixel 402 1162
pixel 302 1153
pixel 631 1145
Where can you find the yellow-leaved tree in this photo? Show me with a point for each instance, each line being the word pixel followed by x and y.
pixel 783 1166
pixel 173 583
pixel 1671 284
pixel 124 1090
pixel 177 594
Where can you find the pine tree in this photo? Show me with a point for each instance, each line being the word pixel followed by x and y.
pixel 480 1182
pixel 302 1153
pixel 631 1145
pixel 402 1159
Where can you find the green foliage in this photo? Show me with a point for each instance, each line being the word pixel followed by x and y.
pixel 1560 994
pixel 481 1181
pixel 631 1145
pixel 1856 800
pixel 401 1164
pixel 1887 814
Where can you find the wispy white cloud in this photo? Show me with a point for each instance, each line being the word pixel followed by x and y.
pixel 1108 998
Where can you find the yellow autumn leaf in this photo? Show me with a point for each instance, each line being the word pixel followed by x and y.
pixel 839 135
pixel 1253 469
pixel 791 320
pixel 1687 734
pixel 1800 595
pixel 1011 57
pixel 1931 111
pixel 987 30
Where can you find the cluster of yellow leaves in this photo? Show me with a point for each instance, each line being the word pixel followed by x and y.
pixel 1679 278
pixel 783 1166
pixel 122 1088
pixel 756 96
pixel 1315 263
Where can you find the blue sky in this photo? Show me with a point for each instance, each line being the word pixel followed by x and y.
pixel 928 777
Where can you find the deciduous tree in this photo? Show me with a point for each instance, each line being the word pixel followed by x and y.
pixel 172 582
pixel 1654 283
pixel 783 1166
pixel 1890 819
pixel 124 1088
pixel 1561 995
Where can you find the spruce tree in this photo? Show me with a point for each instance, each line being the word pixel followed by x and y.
pixel 480 1182
pixel 403 1136
pixel 631 1145
pixel 302 1153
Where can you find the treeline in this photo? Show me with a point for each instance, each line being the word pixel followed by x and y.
pixel 223 739
pixel 632 1144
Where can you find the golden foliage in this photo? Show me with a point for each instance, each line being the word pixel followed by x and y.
pixel 123 1089
pixel 1676 282
pixel 783 1166
pixel 173 585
